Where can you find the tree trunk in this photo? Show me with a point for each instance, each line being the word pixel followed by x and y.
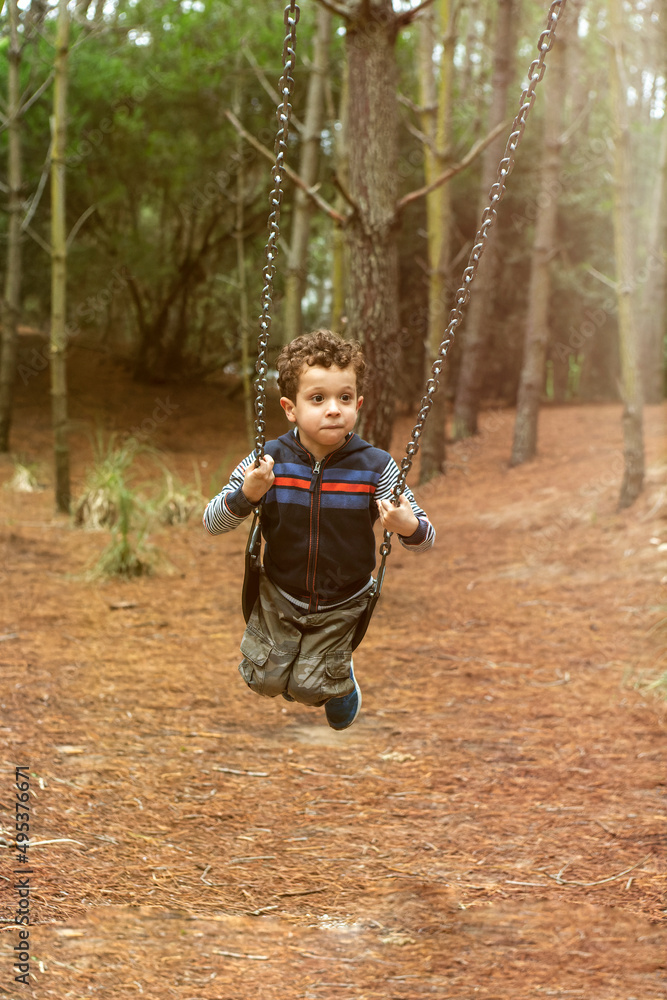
pixel 536 336
pixel 436 102
pixel 11 302
pixel 654 298
pixel 470 48
pixel 476 332
pixel 633 436
pixel 297 262
pixel 339 250
pixel 372 241
pixel 244 326
pixel 59 264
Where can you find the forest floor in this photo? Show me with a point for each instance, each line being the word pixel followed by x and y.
pixel 494 824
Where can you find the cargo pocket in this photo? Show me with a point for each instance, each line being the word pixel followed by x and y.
pixel 337 681
pixel 256 649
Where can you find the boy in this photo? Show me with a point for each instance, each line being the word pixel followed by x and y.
pixel 322 488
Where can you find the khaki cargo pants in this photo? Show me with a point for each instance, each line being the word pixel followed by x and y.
pixel 307 655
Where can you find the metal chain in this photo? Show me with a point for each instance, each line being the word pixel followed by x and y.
pixel 283 112
pixel 535 74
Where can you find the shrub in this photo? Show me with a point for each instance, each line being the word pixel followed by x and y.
pixel 24 479
pixel 179 501
pixel 111 499
pixel 114 500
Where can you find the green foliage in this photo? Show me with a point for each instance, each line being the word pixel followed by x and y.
pixel 25 478
pixel 179 501
pixel 126 557
pixel 108 499
pixel 114 498
pixel 149 146
pixel 153 270
pixel 660 685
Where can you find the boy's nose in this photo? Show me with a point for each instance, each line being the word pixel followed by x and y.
pixel 333 406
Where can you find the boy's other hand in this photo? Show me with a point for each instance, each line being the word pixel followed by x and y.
pixel 258 480
pixel 401 519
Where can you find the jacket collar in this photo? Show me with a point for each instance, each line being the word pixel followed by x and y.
pixel 294 435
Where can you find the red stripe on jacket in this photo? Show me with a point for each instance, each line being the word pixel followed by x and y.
pixel 301 484
pixel 348 488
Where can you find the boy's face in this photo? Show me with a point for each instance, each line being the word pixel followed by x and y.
pixel 325 409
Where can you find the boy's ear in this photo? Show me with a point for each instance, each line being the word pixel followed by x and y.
pixel 359 402
pixel 288 407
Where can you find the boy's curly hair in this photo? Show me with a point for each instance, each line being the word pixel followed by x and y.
pixel 322 348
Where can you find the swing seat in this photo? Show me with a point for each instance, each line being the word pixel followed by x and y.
pixel 365 619
pixel 253 565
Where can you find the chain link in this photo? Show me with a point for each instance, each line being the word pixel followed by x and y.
pixel 535 74
pixel 283 112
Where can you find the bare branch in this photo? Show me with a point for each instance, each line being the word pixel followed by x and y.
pixel 79 222
pixel 609 282
pixel 4 122
pixel 408 16
pixel 471 155
pixel 418 110
pixel 38 93
pixel 311 192
pixel 32 208
pixel 335 8
pixel 271 91
pixel 600 881
pixel 93 30
pixel 345 193
pixel 58 840
pixel 37 238
pixel 421 137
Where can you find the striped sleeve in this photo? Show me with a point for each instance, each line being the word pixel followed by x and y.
pixel 226 510
pixel 424 536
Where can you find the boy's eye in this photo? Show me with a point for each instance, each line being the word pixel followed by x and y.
pixel 317 398
pixel 346 397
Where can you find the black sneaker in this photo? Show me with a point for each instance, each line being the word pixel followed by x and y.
pixel 341 712
pixel 287 697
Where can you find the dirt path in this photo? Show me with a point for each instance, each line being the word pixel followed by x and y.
pixel 466 838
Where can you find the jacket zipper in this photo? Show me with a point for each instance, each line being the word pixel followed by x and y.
pixel 316 472
pixel 315 490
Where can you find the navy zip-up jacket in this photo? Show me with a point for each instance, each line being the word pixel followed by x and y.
pixel 318 517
